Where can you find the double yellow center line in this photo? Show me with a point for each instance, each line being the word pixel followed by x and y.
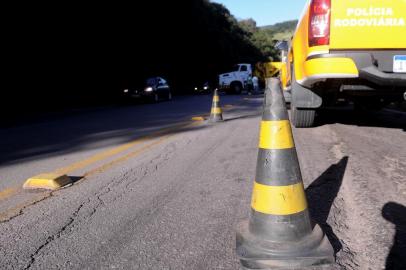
pixel 160 135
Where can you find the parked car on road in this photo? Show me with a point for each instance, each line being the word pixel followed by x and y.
pixel 153 88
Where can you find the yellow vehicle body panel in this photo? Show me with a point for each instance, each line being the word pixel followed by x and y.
pixel 273 68
pixel 284 76
pixel 299 47
pixel 270 69
pixel 331 66
pixel 368 24
pixel 354 25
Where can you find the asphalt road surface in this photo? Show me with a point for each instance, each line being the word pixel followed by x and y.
pixel 155 190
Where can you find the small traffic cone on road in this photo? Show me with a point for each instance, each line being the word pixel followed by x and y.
pixel 216 113
pixel 279 233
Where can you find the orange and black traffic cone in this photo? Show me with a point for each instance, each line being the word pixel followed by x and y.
pixel 279 233
pixel 216 113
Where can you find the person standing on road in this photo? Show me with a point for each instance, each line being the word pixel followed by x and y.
pixel 255 83
pixel 249 85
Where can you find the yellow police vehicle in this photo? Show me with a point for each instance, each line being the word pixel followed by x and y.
pixel 353 50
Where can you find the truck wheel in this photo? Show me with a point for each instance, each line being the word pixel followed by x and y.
pixel 302 118
pixel 236 87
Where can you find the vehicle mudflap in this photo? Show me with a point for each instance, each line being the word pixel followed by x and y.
pixel 304 98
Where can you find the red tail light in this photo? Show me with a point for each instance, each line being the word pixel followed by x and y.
pixel 319 22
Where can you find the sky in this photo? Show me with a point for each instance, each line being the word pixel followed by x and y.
pixel 265 12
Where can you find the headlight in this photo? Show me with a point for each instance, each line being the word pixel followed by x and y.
pixel 205 88
pixel 196 88
pixel 125 90
pixel 148 89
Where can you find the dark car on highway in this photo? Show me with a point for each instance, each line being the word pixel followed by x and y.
pixel 202 88
pixel 153 89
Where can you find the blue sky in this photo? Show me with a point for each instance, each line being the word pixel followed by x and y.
pixel 265 12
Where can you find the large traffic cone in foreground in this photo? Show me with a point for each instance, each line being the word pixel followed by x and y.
pixel 279 233
pixel 216 114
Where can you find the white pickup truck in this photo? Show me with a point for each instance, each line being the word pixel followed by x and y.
pixel 236 80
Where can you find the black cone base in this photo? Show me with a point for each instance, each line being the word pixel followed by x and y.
pixel 258 253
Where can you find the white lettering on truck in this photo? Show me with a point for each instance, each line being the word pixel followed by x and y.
pixel 370 22
pixel 372 16
pixel 371 11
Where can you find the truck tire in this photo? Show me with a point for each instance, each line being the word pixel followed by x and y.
pixel 302 118
pixel 236 87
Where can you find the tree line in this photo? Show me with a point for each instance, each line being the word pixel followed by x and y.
pixel 76 54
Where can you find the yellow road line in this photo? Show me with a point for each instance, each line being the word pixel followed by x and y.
pixel 98 157
pixel 108 165
pixel 197 118
pixel 106 154
pixel 10 191
pixel 16 209
pixel 11 212
pixel 5 193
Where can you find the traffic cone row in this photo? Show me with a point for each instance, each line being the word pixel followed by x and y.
pixel 279 233
pixel 216 114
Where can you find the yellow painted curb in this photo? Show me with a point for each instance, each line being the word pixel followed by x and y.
pixel 50 181
pixel 198 118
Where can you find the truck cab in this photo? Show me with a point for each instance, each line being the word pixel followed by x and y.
pixel 352 50
pixel 236 80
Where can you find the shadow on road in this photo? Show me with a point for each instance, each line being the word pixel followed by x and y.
pixel 104 128
pixel 243 117
pixel 383 118
pixel 321 194
pixel 396 214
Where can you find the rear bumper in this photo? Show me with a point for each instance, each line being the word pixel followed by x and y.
pixel 378 77
pixel 373 66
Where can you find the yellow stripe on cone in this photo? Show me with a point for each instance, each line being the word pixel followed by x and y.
pixel 216 110
pixel 276 135
pixel 278 200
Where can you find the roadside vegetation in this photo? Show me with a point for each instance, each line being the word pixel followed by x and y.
pixel 85 55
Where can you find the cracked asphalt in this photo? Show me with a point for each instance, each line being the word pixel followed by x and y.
pixel 172 201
